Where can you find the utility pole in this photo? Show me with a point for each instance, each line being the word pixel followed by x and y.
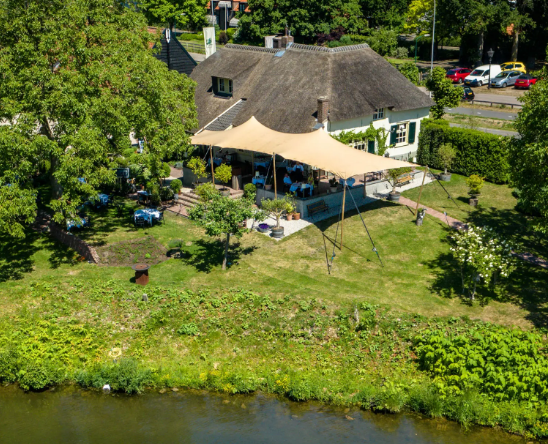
pixel 433 39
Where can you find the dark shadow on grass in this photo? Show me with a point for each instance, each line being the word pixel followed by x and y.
pixel 16 260
pixel 60 254
pixel 207 254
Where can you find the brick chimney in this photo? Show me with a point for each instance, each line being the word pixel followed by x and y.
pixel 323 109
pixel 284 40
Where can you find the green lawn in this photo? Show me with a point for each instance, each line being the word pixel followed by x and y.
pixel 418 275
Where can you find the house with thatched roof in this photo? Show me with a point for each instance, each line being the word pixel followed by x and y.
pixel 300 88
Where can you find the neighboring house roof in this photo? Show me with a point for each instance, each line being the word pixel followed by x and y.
pixel 282 87
pixel 224 121
pixel 179 58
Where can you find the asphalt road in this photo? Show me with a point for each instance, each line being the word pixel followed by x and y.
pixel 489 130
pixel 481 113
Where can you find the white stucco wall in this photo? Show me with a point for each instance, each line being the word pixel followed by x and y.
pixel 403 151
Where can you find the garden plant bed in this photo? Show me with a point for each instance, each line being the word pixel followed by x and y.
pixel 146 250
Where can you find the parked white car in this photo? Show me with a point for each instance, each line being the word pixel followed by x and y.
pixel 480 75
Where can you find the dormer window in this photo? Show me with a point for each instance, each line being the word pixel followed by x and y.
pixel 222 87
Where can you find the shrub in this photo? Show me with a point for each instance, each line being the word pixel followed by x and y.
pixel 175 186
pixel 446 154
pixel 37 375
pixel 223 38
pixel 250 190
pixel 410 71
pixel 206 191
pixel 400 52
pixel 198 167
pixel 477 152
pixel 166 193
pixel 125 376
pixel 383 41
pixel 475 183
pixel 224 173
pixel 395 173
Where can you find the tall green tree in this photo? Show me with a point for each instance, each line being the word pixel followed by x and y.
pixel 529 153
pixel 389 14
pixel 443 92
pixel 182 13
pixel 305 19
pixel 77 78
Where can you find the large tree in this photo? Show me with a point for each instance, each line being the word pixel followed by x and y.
pixel 529 153
pixel 77 77
pixel 443 92
pixel 182 13
pixel 305 19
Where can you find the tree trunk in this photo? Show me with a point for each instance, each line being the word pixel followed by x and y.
pixel 56 189
pixel 515 41
pixel 227 242
pixel 480 48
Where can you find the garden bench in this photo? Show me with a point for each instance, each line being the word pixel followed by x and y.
pixel 403 180
pixel 317 207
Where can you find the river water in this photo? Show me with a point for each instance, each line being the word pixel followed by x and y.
pixel 76 416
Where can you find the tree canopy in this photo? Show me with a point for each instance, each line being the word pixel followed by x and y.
pixel 77 78
pixel 443 92
pixel 182 13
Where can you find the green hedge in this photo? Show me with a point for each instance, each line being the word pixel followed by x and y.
pixel 477 152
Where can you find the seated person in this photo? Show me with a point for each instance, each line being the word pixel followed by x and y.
pixel 287 179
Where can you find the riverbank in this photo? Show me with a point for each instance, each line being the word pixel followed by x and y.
pixel 237 341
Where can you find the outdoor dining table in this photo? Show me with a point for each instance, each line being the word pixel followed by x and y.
pixel 257 180
pixel 103 198
pixel 301 186
pixel 148 214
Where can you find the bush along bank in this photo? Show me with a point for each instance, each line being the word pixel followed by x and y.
pixel 239 342
pixel 476 152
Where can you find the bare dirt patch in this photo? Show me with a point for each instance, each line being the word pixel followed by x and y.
pixel 146 250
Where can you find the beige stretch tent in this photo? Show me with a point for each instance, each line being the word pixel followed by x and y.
pixel 317 148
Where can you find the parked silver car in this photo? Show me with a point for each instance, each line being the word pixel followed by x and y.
pixel 505 78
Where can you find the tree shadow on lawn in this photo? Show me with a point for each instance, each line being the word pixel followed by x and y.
pixel 526 286
pixel 106 221
pixel 17 255
pixel 207 254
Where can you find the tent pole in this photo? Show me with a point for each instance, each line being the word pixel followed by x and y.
pixel 420 192
pixel 211 161
pixel 342 220
pixel 253 163
pixel 274 172
pixel 365 185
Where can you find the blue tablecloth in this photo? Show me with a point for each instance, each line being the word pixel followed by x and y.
pixel 257 180
pixel 103 198
pixel 262 164
pixel 294 168
pixel 216 160
pixel 148 214
pixel 143 193
pixel 350 182
pixel 301 186
pixel 78 223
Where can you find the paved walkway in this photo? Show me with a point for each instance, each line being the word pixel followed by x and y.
pixel 458 225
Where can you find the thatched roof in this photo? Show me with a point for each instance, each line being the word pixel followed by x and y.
pixel 282 91
pixel 179 58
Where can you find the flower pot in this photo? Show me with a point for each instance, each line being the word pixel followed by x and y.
pixel 473 201
pixel 277 232
pixel 268 187
pixel 297 216
pixel 445 177
pixel 394 196
pixel 263 229
pixel 333 189
pixel 289 216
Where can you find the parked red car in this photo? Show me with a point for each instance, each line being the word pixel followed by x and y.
pixel 457 75
pixel 525 81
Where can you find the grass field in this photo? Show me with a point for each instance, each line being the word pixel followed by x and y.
pixel 418 274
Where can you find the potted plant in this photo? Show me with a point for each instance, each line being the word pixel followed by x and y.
pixel 263 228
pixel 393 175
pixel 333 184
pixel 475 183
pixel 175 186
pixel 224 173
pixel 446 154
pixel 277 208
pixel 198 168
pixel 268 183
pixel 290 197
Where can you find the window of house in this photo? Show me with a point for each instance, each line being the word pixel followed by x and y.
pixel 242 6
pixel 224 87
pixel 378 114
pixel 359 145
pixel 401 133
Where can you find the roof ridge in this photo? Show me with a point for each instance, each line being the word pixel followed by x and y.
pixel 251 48
pixel 325 49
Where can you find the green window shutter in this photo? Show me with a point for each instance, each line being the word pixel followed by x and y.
pixel 371 146
pixel 393 132
pixel 412 131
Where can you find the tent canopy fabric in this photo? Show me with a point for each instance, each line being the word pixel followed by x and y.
pixel 317 148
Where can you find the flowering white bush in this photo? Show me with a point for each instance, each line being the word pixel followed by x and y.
pixel 482 256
